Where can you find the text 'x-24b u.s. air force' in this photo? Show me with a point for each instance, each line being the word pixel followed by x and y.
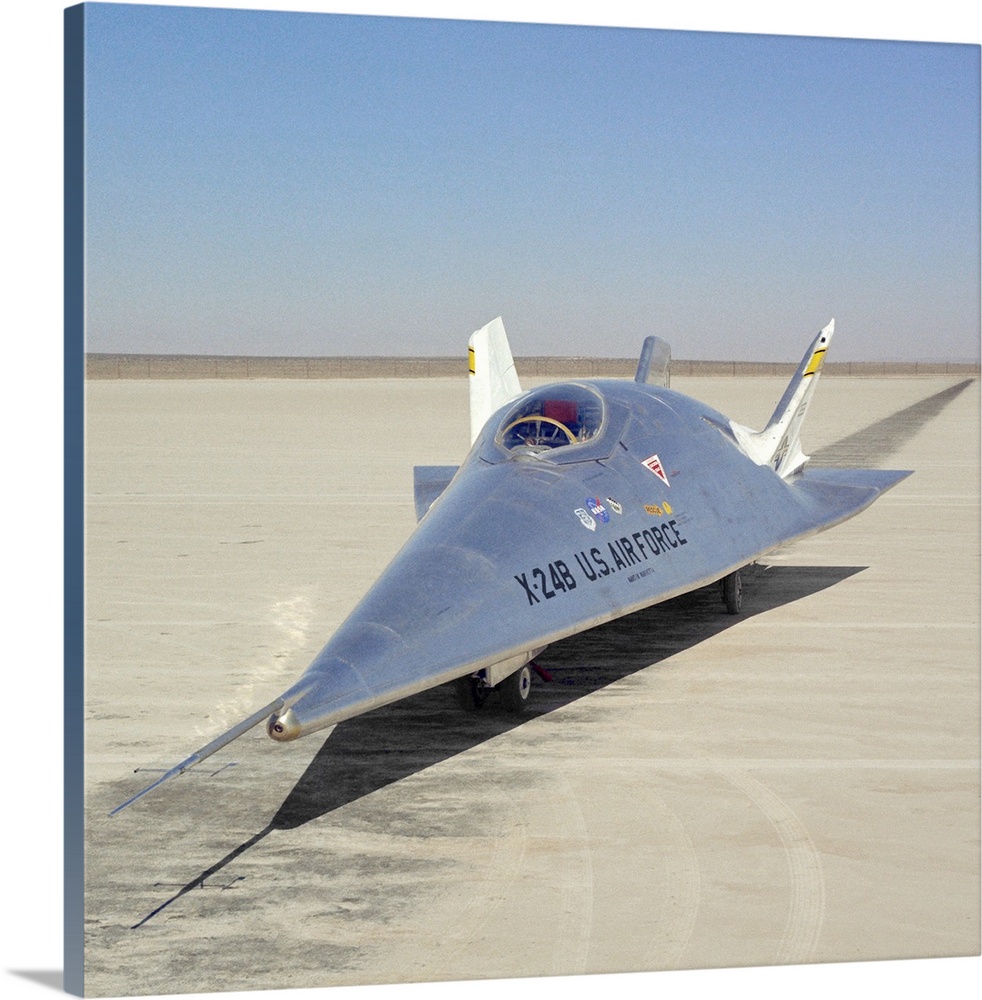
pixel 578 502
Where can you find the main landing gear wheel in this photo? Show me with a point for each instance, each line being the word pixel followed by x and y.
pixel 515 690
pixel 471 692
pixel 731 587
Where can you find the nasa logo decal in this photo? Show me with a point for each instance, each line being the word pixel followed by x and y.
pixel 588 522
pixel 597 509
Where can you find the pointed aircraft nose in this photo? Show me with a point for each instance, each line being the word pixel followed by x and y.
pixel 330 690
pixel 284 727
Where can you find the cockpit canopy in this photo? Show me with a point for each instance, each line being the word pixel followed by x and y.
pixel 555 416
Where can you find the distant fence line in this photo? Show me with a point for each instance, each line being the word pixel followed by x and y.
pixel 187 366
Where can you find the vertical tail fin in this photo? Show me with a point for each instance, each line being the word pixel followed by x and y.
pixel 778 444
pixel 656 356
pixel 493 379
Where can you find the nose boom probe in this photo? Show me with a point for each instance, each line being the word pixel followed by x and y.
pixel 206 751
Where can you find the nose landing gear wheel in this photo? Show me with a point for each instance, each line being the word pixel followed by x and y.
pixel 515 690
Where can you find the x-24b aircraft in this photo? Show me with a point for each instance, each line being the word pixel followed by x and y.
pixel 578 502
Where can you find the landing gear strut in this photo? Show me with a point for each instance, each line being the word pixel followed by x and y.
pixel 471 692
pixel 731 590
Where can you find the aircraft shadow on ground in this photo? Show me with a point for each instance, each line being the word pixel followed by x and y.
pixel 364 754
pixel 373 750
pixel 379 748
pixel 874 444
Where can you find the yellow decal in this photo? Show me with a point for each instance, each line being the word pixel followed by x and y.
pixel 816 362
pixel 470 360
pixel 663 508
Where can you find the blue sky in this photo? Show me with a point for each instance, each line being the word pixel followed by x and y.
pixel 278 183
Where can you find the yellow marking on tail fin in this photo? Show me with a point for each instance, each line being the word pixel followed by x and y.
pixel 816 362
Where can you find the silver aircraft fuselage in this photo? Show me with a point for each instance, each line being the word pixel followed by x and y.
pixel 525 547
pixel 579 502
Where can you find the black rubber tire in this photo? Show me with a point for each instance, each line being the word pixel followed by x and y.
pixel 471 693
pixel 733 592
pixel 515 690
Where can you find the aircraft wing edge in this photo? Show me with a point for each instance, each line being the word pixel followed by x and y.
pixel 429 482
pixel 834 495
